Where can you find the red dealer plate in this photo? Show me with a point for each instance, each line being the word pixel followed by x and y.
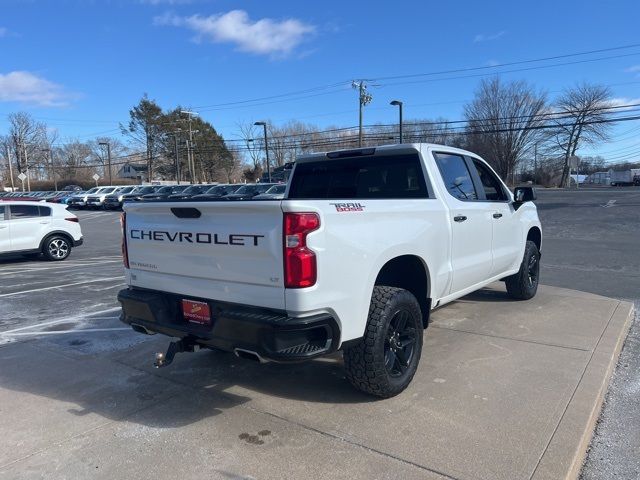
pixel 196 312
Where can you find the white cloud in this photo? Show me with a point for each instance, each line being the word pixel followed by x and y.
pixel 265 36
pixel 482 37
pixel 633 69
pixel 492 63
pixel 28 88
pixel 620 101
pixel 4 32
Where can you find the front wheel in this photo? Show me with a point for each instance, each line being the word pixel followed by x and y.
pixel 524 284
pixel 56 248
pixel 385 360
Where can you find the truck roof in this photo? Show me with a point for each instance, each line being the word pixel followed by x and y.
pixel 401 148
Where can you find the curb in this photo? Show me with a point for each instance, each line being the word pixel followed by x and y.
pixel 567 449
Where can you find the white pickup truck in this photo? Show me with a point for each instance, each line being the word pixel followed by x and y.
pixel 363 246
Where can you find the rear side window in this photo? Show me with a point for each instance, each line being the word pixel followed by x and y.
pixel 44 211
pixel 24 211
pixel 456 176
pixel 392 176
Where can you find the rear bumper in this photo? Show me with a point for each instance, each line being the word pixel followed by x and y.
pixel 271 334
pixel 77 243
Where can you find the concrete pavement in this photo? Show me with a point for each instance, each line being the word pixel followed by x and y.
pixel 505 390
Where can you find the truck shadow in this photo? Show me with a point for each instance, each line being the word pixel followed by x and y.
pixel 123 385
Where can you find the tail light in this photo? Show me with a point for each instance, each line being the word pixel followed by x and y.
pixel 125 253
pixel 72 219
pixel 300 269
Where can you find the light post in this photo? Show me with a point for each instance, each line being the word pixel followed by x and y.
pixel 108 145
pixel 398 104
pixel 266 147
pixel 53 172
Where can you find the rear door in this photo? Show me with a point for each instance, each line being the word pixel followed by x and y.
pixel 27 225
pixel 471 223
pixel 230 251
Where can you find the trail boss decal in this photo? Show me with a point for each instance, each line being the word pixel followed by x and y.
pixel 348 207
pixel 237 239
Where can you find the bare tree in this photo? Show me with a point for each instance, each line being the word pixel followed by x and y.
pixel 581 117
pixel 503 121
pixel 253 142
pixel 26 142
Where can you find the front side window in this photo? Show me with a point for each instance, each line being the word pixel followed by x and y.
pixel 456 176
pixel 388 176
pixel 493 190
pixel 24 211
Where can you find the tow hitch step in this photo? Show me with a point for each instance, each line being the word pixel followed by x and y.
pixel 165 359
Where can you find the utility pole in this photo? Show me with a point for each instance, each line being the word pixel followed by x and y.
pixel 13 188
pixel 364 99
pixel 108 145
pixel 190 159
pixel 266 148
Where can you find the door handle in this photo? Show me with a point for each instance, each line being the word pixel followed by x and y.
pixel 44 223
pixel 459 218
pixel 497 215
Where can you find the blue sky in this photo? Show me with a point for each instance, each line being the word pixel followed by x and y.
pixel 80 65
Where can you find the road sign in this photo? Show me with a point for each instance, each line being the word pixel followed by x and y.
pixel 22 176
pixel 573 162
pixel 96 177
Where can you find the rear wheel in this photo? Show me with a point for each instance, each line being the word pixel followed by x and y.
pixel 385 360
pixel 524 284
pixel 56 248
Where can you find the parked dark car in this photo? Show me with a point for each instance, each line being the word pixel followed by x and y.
pixel 247 192
pixel 114 200
pixel 139 192
pixel 217 191
pixel 165 192
pixel 189 192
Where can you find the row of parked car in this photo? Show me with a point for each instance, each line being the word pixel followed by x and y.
pixel 113 197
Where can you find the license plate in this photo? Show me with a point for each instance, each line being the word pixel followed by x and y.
pixel 196 312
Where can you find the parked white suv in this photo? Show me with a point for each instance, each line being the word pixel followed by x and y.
pixel 29 228
pixel 363 246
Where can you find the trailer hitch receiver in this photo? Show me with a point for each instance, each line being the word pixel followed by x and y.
pixel 183 345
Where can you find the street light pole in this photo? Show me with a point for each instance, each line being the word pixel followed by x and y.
pixel 266 148
pixel 108 145
pixel 398 103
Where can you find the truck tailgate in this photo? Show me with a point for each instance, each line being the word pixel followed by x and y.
pixel 228 251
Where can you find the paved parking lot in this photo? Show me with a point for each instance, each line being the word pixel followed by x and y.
pixel 84 381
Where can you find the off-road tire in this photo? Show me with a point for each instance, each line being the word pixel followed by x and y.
pixel 56 248
pixel 524 284
pixel 366 361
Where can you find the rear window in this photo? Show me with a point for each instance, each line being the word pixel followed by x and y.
pixel 389 176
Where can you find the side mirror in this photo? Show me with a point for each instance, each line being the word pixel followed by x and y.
pixel 524 194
